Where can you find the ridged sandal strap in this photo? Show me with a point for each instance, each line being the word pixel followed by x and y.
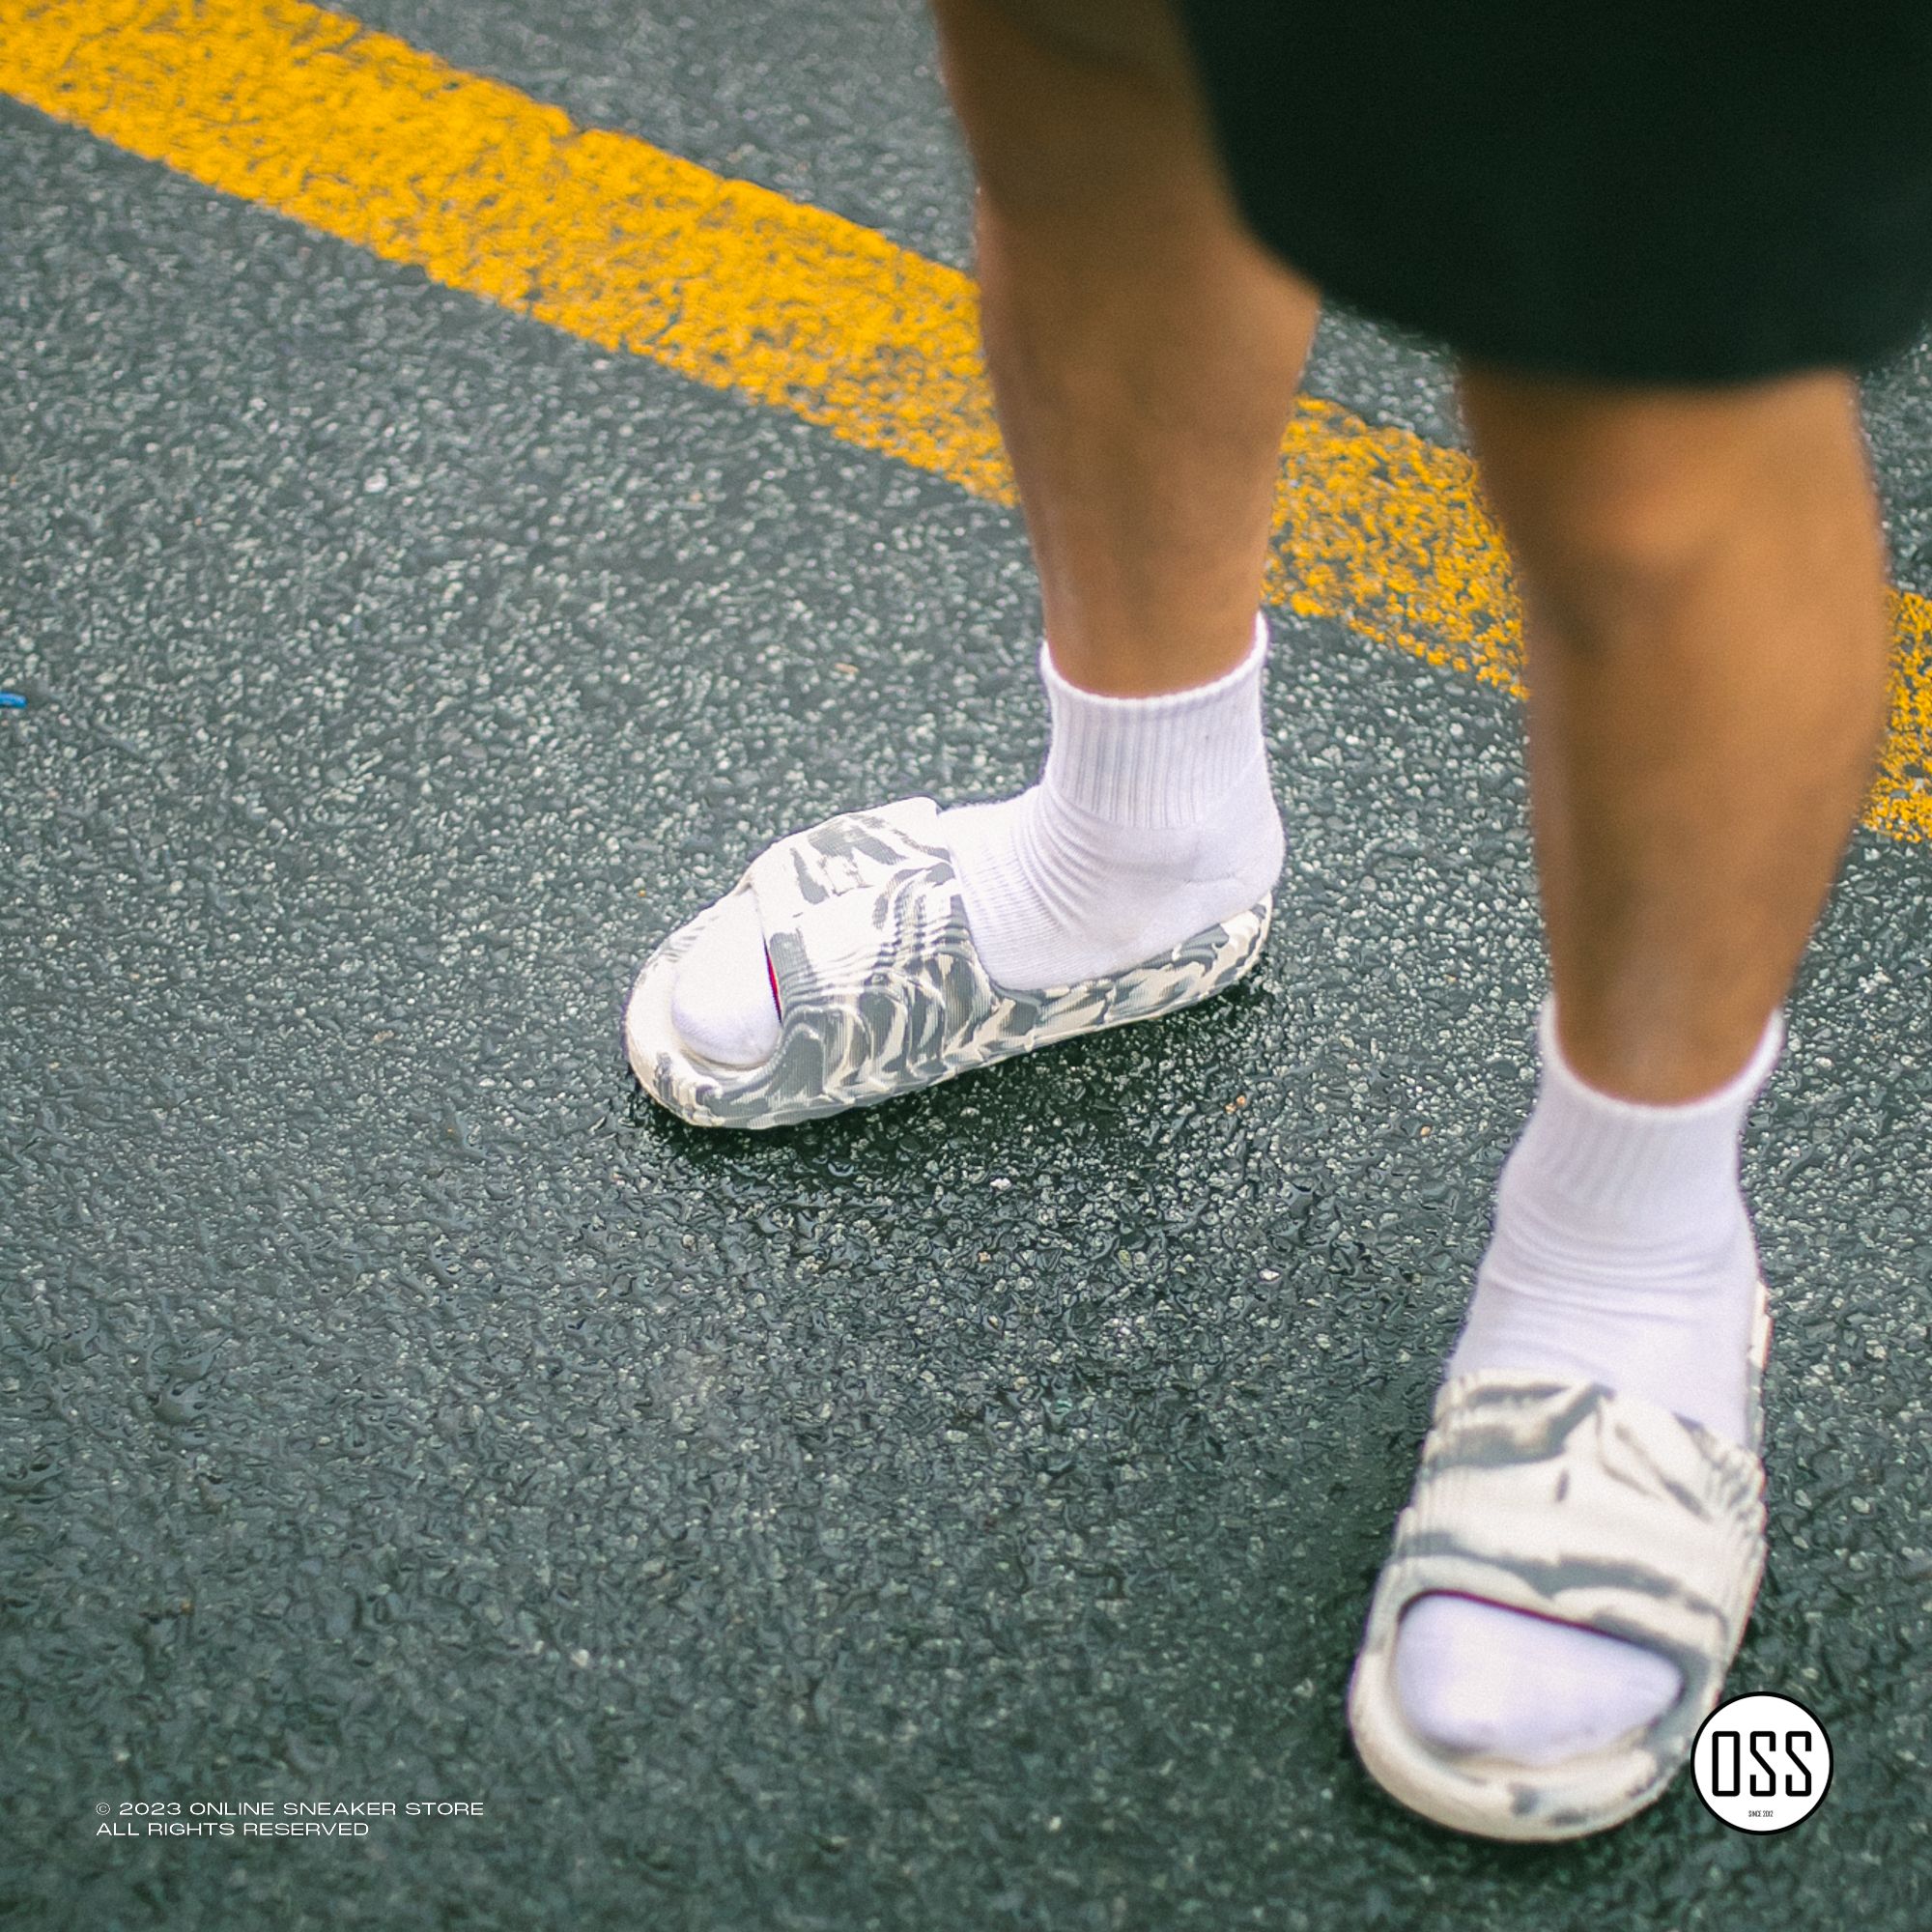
pixel 877 972
pixel 1572 1502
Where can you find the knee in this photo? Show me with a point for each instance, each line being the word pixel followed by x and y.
pixel 1604 556
pixel 1068 105
pixel 1619 506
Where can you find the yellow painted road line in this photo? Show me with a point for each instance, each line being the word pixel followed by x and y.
pixel 486 190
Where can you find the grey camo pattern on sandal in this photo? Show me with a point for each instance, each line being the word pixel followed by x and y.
pixel 1573 1502
pixel 880 989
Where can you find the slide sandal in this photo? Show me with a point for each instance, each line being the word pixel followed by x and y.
pixel 1592 1508
pixel 880 989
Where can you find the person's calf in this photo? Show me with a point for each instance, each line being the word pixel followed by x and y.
pixel 1703 573
pixel 1144 351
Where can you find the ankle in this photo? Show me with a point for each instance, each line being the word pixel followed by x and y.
pixel 1662 1064
pixel 1154 821
pixel 1156 761
pixel 1622 1249
pixel 1055 895
pixel 1620 1169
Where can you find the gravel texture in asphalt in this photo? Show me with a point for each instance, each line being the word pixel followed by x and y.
pixel 958 1514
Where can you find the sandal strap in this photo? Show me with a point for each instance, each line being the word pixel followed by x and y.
pixel 877 972
pixel 853 852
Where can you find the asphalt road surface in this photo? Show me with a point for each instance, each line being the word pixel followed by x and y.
pixel 956 1516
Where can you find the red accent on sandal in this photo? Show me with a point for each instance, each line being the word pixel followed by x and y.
pixel 772 974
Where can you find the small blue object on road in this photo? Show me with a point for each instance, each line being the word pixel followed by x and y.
pixel 12 700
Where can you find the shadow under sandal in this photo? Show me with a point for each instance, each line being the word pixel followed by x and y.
pixel 1573 1502
pixel 880 989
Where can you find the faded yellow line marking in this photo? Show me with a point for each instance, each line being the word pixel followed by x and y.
pixel 486 190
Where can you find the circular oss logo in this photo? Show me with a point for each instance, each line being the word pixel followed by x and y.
pixel 1761 1763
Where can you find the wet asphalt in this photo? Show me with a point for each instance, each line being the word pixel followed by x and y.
pixel 956 1515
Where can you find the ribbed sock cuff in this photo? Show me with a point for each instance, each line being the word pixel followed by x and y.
pixel 1155 761
pixel 1621 1160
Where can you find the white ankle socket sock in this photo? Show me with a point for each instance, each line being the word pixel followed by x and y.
pixel 1622 1253
pixel 1153 820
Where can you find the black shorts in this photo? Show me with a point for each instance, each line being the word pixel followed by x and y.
pixel 1667 191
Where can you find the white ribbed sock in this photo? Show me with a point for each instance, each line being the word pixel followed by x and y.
pixel 1622 1253
pixel 1152 820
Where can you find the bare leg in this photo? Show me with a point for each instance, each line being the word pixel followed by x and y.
pixel 1143 350
pixel 1705 581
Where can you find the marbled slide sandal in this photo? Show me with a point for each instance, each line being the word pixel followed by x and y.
pixel 880 989
pixel 1592 1508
